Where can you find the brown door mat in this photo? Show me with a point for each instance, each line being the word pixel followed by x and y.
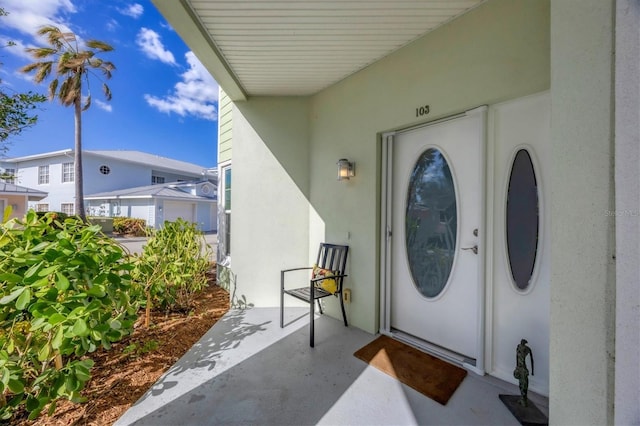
pixel 425 373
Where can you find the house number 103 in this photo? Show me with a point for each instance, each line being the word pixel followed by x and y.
pixel 423 110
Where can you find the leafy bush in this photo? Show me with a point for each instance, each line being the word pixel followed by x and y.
pixel 172 267
pixel 54 215
pixel 64 291
pixel 130 226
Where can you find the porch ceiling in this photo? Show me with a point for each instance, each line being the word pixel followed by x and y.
pixel 299 47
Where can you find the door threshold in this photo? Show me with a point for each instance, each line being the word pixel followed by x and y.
pixel 435 350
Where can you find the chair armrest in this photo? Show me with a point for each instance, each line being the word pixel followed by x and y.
pixel 296 269
pixel 283 271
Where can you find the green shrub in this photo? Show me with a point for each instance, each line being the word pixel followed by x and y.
pixel 64 291
pixel 130 226
pixel 53 215
pixel 172 267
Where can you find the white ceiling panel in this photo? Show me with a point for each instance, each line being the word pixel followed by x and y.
pixel 299 47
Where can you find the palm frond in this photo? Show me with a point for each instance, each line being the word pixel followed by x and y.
pixel 53 35
pixel 95 62
pixel 41 52
pixel 87 103
pixel 106 68
pixel 99 45
pixel 63 94
pixel 29 67
pixel 53 87
pixel 69 37
pixel 107 91
pixel 69 92
pixel 43 71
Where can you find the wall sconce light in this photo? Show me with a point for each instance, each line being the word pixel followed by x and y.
pixel 346 169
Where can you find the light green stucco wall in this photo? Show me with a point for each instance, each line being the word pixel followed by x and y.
pixel 582 265
pixel 270 215
pixel 498 51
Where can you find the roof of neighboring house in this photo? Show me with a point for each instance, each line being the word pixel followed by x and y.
pixel 150 159
pixel 11 189
pixel 138 157
pixel 165 191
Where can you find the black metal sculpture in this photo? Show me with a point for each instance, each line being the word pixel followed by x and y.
pixel 524 410
pixel 521 372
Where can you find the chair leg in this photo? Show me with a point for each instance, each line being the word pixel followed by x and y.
pixel 320 306
pixel 281 309
pixel 344 314
pixel 281 299
pixel 312 313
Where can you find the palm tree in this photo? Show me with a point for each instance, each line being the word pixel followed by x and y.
pixel 72 68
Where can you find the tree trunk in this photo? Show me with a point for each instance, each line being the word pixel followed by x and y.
pixel 78 162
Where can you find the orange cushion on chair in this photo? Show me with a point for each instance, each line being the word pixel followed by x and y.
pixel 329 284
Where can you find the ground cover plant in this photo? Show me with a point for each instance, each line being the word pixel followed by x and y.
pixel 172 267
pixel 69 295
pixel 65 290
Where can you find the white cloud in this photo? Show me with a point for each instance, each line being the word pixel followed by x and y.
pixel 135 10
pixel 112 25
pixel 28 16
pixel 103 105
pixel 195 95
pixel 150 43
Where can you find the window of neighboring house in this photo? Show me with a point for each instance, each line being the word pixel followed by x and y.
pixel 226 177
pixel 67 208
pixel 42 207
pixel 43 175
pixel 9 175
pixel 67 172
pixel 157 179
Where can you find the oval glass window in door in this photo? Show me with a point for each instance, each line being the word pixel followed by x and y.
pixel 522 219
pixel 431 223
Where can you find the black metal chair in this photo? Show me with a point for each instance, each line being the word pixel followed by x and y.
pixel 331 264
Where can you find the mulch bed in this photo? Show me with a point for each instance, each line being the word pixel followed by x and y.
pixel 123 374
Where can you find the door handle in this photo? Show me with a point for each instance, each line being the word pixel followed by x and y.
pixel 474 249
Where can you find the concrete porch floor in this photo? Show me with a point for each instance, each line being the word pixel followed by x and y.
pixel 247 370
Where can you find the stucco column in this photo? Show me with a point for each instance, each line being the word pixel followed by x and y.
pixel 627 158
pixel 582 192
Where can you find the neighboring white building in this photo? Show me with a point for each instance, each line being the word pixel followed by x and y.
pixel 103 171
pixel 534 99
pixel 193 201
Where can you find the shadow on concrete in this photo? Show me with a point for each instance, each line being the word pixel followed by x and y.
pixel 279 383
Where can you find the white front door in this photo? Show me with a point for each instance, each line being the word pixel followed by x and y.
pixel 436 238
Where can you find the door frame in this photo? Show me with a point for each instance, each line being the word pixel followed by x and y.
pixel 385 244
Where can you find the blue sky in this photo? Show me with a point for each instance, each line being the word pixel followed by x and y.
pixel 164 101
